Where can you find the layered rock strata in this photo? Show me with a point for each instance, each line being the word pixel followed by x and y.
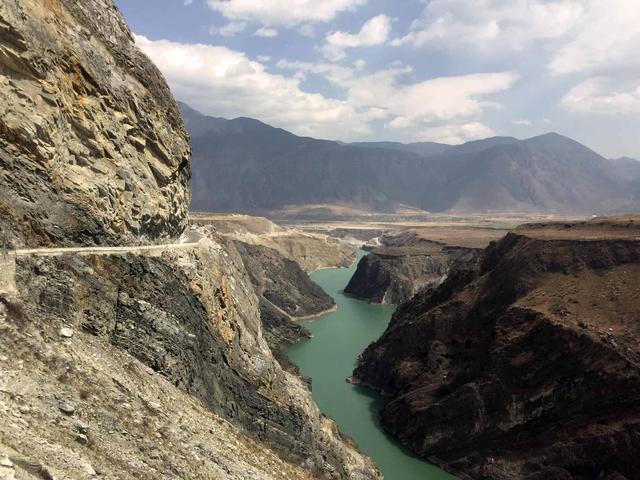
pixel 92 145
pixel 124 361
pixel 526 366
pixel 402 266
pixel 286 294
pixel 310 250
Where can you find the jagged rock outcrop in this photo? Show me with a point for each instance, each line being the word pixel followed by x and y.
pixel 92 145
pixel 286 294
pixel 526 367
pixel 403 265
pixel 126 362
pixel 192 317
pixel 80 407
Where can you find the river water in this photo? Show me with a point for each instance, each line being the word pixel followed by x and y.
pixel 329 358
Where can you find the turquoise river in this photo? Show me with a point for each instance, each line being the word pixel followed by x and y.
pixel 329 358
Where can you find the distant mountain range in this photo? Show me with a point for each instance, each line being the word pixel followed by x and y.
pixel 244 165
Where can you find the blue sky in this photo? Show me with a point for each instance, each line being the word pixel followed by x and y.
pixel 410 70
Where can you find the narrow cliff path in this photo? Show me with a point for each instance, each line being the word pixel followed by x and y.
pixel 189 240
pixel 137 249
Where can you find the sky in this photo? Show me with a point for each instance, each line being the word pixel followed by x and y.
pixel 412 70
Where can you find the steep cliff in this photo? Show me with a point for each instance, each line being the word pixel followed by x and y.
pixel 403 265
pixel 285 291
pixel 191 315
pixel 92 145
pixel 526 366
pixel 126 361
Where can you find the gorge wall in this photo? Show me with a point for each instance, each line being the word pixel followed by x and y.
pixel 139 364
pixel 404 264
pixel 526 365
pixel 286 294
pixel 92 145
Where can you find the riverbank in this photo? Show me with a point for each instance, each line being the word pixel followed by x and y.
pixel 329 357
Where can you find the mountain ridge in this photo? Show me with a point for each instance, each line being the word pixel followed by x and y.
pixel 235 159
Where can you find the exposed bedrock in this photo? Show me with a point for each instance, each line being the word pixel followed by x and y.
pixel 192 316
pixel 311 251
pixel 149 364
pixel 92 145
pixel 285 291
pixel 404 265
pixel 526 366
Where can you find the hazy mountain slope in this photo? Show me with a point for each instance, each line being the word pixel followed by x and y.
pixel 247 166
pixel 549 172
pixel 626 168
pixel 424 149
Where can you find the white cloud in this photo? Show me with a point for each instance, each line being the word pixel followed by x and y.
pixel 607 39
pixel 374 32
pixel 523 122
pixel 283 12
pixel 415 107
pixel 263 58
pixel 187 2
pixel 458 133
pixel 598 95
pixel 360 64
pixel 231 29
pixel 266 32
pixel 438 99
pixel 222 82
pixel 605 50
pixel 492 25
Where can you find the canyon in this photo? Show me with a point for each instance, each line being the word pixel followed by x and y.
pixel 407 262
pixel 151 326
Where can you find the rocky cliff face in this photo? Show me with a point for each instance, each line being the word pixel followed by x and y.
pixel 285 291
pixel 129 362
pixel 526 366
pixel 403 265
pixel 73 405
pixel 92 145
pixel 190 316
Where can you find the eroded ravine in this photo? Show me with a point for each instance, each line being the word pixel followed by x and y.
pixel 329 358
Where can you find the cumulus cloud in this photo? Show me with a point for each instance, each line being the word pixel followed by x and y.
pixel 283 12
pixel 605 50
pixel 374 32
pixel 415 109
pixel 266 32
pixel 223 82
pixel 231 29
pixel 608 38
pixel 601 95
pixel 458 133
pixel 491 25
pixel 307 30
